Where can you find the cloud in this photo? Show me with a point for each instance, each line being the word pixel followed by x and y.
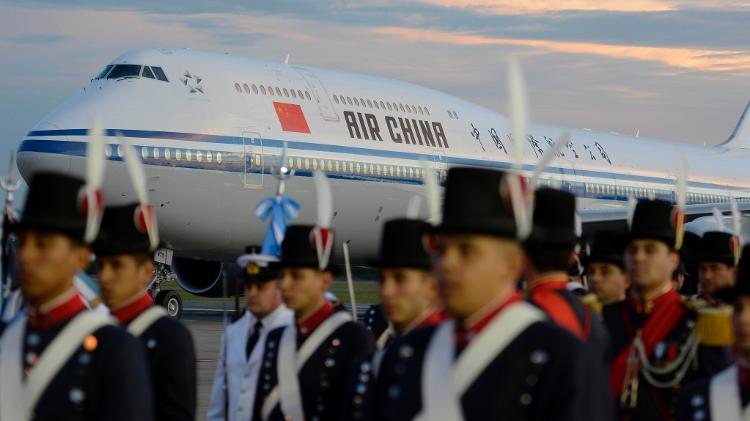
pixel 545 6
pixel 36 39
pixel 684 58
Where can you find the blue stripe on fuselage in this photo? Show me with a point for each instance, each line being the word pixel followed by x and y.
pixel 80 150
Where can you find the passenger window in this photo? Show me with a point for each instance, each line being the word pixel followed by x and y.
pixel 257 161
pixel 189 155
pixel 218 157
pixel 104 72
pixel 124 70
pixel 307 164
pixel 199 156
pixel 167 153
pixel 178 154
pixel 155 152
pixel 159 74
pixel 144 152
pixel 299 163
pixel 209 156
pixel 315 164
pixel 148 73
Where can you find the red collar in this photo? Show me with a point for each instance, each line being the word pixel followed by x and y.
pixel 433 319
pixel 58 314
pixel 128 312
pixel 307 326
pixel 547 284
pixel 668 298
pixel 464 335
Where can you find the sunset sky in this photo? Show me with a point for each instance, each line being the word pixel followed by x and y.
pixel 672 69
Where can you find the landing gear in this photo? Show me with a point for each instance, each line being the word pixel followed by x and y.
pixel 167 298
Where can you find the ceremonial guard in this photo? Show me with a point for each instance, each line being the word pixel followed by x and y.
pixel 605 268
pixel 124 255
pixel 718 256
pixel 62 361
pixel 726 395
pixel 659 341
pixel 407 289
pixel 497 357
pixel 306 366
pixel 240 358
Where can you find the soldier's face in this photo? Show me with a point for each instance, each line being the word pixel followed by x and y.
pixel 608 281
pixel 473 270
pixel 741 324
pixel 122 278
pixel 263 298
pixel 406 295
pixel 715 275
pixel 650 264
pixel 304 289
pixel 46 264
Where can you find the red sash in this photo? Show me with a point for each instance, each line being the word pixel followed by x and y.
pixel 544 295
pixel 667 311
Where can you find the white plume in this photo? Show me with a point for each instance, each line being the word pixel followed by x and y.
pixel 412 210
pixel 632 203
pixel 548 157
pixel 95 158
pixel 518 110
pixel 682 179
pixel 135 169
pixel 719 220
pixel 325 199
pixel 432 192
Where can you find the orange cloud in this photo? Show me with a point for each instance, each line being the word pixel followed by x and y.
pixel 541 6
pixel 684 58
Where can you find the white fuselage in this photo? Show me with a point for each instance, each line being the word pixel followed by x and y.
pixel 211 139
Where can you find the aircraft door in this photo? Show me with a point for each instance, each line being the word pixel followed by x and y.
pixel 252 147
pixel 320 95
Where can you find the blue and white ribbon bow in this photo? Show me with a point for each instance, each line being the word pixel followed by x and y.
pixel 282 209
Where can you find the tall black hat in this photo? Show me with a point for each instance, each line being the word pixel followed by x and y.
pixel 299 248
pixel 55 202
pixel 717 246
pixel 657 220
pixel 742 285
pixel 257 268
pixel 608 247
pixel 554 222
pixel 402 245
pixel 690 248
pixel 123 231
pixel 477 201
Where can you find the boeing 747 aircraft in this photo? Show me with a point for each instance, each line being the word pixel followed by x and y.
pixel 211 130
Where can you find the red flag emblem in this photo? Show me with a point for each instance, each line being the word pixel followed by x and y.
pixel 291 117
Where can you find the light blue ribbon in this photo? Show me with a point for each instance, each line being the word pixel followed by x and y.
pixel 281 209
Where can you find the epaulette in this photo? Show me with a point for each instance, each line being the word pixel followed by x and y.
pixel 592 301
pixel 713 326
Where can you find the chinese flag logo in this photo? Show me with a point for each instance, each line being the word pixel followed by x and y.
pixel 291 117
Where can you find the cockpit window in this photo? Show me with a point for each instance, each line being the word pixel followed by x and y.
pixel 160 74
pixel 148 73
pixel 125 70
pixel 104 72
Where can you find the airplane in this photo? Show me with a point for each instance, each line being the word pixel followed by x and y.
pixel 211 129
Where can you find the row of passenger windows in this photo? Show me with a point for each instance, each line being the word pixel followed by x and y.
pixel 132 70
pixel 272 91
pixel 642 192
pixel 349 167
pixel 380 105
pixel 167 153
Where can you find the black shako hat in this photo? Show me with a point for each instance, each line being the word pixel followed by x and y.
pixel 656 220
pixel 122 231
pixel 717 246
pixel 298 249
pixel 257 268
pixel 477 201
pixel 554 221
pixel 607 247
pixel 56 203
pixel 402 245
pixel 742 285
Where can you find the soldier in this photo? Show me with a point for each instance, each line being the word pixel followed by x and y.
pixel 497 357
pixel 306 366
pixel 407 289
pixel 238 369
pixel 657 339
pixel 124 256
pixel 62 361
pixel 606 269
pixel 726 395
pixel 718 255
